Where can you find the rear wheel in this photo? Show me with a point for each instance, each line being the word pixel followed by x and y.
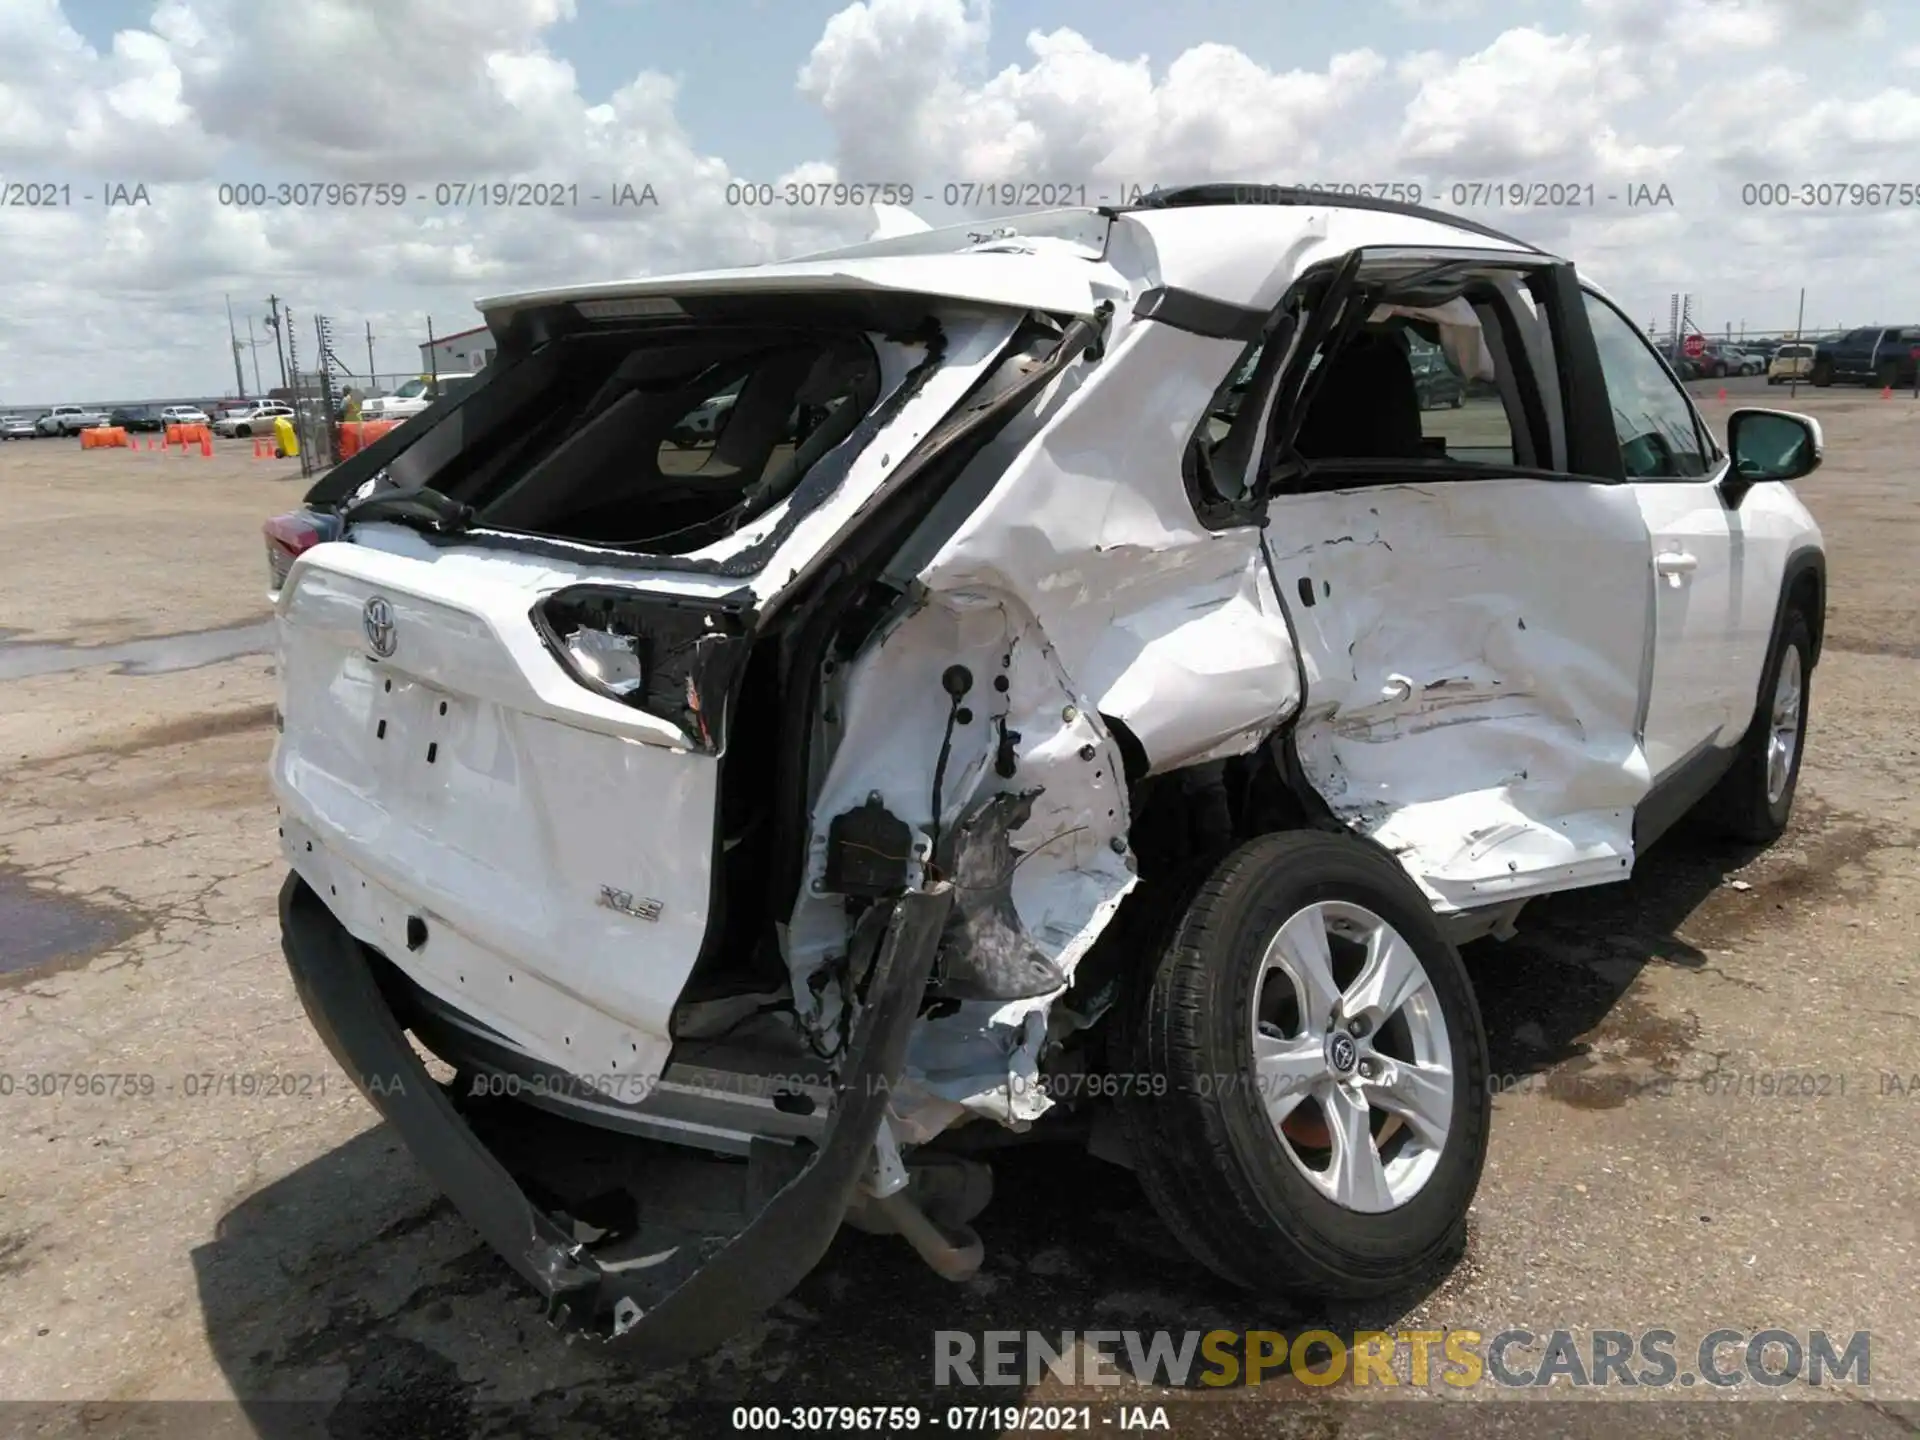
pixel 1887 375
pixel 1822 373
pixel 1754 799
pixel 1325 1115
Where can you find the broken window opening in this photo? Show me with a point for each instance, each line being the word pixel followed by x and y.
pixel 1405 363
pixel 1410 365
pixel 661 442
pixel 1413 379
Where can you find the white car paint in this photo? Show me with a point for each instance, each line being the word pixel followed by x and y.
pixel 252 419
pixel 1491 715
pixel 408 399
pixel 592 991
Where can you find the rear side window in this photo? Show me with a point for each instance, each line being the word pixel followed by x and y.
pixel 1424 383
pixel 1394 392
pixel 1462 416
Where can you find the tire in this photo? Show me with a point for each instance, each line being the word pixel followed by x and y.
pixel 1745 805
pixel 1822 374
pixel 1232 1187
pixel 242 432
pixel 1887 375
pixel 1459 399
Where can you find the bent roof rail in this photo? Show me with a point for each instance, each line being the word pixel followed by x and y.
pixel 1231 193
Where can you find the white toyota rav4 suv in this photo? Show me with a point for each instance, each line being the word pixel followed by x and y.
pixel 1078 658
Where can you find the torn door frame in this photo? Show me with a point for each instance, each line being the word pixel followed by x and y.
pixel 1117 621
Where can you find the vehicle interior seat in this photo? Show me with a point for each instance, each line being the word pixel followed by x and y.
pixel 1366 406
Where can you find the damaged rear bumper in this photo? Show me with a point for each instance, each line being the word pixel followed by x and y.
pixel 686 1305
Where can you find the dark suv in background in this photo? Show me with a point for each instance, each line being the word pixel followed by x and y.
pixel 135 417
pixel 1873 355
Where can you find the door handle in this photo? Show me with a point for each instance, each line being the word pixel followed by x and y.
pixel 1674 564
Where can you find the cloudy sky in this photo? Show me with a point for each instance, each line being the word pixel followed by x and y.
pixel 1706 98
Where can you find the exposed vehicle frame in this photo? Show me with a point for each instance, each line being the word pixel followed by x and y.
pixel 1203 708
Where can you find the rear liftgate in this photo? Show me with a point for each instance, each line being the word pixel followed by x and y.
pixel 666 1303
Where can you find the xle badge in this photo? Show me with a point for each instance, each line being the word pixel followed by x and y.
pixel 623 901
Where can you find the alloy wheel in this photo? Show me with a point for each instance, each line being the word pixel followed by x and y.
pixel 1351 1058
pixel 1783 725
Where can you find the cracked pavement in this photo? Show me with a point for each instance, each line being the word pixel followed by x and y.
pixel 1694 1125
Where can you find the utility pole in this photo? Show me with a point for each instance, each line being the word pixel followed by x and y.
pixel 233 343
pixel 370 385
pixel 254 346
pixel 433 360
pixel 1799 331
pixel 279 347
pixel 323 342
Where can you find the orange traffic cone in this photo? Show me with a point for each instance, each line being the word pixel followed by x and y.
pixel 1886 392
pixel 1723 394
pixel 256 447
pixel 206 444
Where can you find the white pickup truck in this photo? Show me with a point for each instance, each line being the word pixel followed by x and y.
pixel 69 420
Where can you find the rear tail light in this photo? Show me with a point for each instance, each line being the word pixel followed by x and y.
pixel 289 536
pixel 674 659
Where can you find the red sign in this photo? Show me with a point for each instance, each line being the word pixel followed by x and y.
pixel 1694 346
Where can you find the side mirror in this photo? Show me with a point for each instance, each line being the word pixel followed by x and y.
pixel 1770 445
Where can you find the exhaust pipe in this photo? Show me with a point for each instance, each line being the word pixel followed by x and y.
pixel 929 1206
pixel 956 1257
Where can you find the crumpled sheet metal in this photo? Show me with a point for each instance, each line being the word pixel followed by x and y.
pixel 1071 867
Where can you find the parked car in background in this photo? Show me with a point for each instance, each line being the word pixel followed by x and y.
pixel 135 417
pixel 254 419
pixel 1438 384
pixel 1719 360
pixel 1155 581
pixel 70 420
pixel 183 415
pixel 1872 355
pixel 414 396
pixel 1752 362
pixel 1792 361
pixel 18 427
pixel 1686 367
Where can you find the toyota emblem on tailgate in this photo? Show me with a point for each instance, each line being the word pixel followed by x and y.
pixel 378 619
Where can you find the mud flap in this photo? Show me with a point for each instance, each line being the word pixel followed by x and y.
pixel 735 1282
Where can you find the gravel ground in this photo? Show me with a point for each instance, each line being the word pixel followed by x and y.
pixel 192 1239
